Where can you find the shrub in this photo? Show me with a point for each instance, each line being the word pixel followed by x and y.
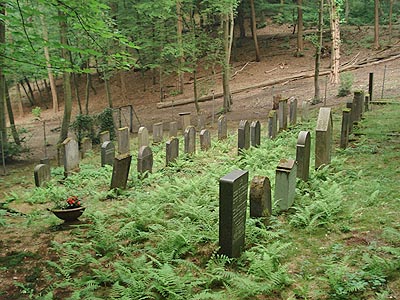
pixel 346 83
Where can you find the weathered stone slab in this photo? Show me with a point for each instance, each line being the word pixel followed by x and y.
pixel 172 150
pixel 303 152
pixel 272 124
pixel 222 128
pixel 185 120
pixel 120 172
pixel 283 114
pixel 143 137
pixel 349 105
pixel 190 140
pixel 358 105
pixel 173 129
pixel 123 141
pixel 366 102
pixel 41 174
pixel 292 111
pixel 232 212
pixel 243 136
pixel 344 133
pixel 71 156
pixel 86 145
pixel 107 153
pixel 201 121
pixel 145 160
pixel 285 183
pixel 305 111
pixel 205 140
pixel 255 133
pixel 260 198
pixel 158 133
pixel 104 137
pixel 323 137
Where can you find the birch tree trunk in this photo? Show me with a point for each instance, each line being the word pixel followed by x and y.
pixel 335 31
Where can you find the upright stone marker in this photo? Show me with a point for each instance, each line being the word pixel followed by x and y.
pixel 255 133
pixel 303 152
pixel 158 133
pixel 282 114
pixel 292 111
pixel 323 137
pixel 366 103
pixel 123 141
pixel 260 198
pixel 145 160
pixel 190 140
pixel 344 134
pixel 358 105
pixel 272 124
pixel 371 86
pixel 120 172
pixel 222 128
pixel 107 153
pixel 201 121
pixel 349 106
pixel 232 212
pixel 41 174
pixel 285 183
pixel 185 120
pixel 104 137
pixel 305 111
pixel 71 156
pixel 172 150
pixel 243 136
pixel 143 137
pixel 173 129
pixel 205 140
pixel 86 145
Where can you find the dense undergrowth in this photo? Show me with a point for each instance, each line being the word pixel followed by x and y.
pixel 159 238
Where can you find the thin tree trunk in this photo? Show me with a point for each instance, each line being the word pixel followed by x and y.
pixel 66 79
pixel 108 91
pixel 335 31
pixel 26 93
pixel 180 46
pixel 41 101
pixel 240 20
pixel 30 89
pixel 14 131
pixel 196 97
pixel 19 100
pixel 347 11
pixel 47 89
pixel 254 30
pixel 3 129
pixel 317 96
pixel 76 89
pixel 376 27
pixel 123 88
pixel 390 20
pixel 300 42
pixel 228 37
pixel 87 92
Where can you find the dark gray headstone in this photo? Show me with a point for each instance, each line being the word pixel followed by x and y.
pixel 292 111
pixel 232 212
pixel 323 137
pixel 222 128
pixel 190 140
pixel 143 137
pixel 123 141
pixel 145 160
pixel 172 150
pixel 120 172
pixel 285 183
pixel 71 156
pixel 358 104
pixel 345 131
pixel 107 153
pixel 158 132
pixel 283 114
pixel 303 152
pixel 243 136
pixel 205 140
pixel 349 105
pixel 173 129
pixel 41 174
pixel 255 133
pixel 272 124
pixel 260 198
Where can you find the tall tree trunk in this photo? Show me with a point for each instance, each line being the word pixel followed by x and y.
pixel 180 46
pixel 227 24
pixel 11 117
pixel 108 91
pixel 196 97
pixel 76 89
pixel 66 78
pixel 26 93
pixel 300 42
pixel 87 92
pixel 48 64
pixel 335 31
pixel 376 27
pixel 41 99
pixel 347 11
pixel 19 100
pixel 3 129
pixel 254 30
pixel 317 93
pixel 390 20
pixel 30 90
pixel 240 20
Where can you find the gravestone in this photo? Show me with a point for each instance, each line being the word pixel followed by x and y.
pixel 222 128
pixel 285 183
pixel 143 137
pixel 201 121
pixel 366 102
pixel 45 161
pixel 71 156
pixel 349 105
pixel 190 140
pixel 185 120
pixel 292 111
pixel 205 140
pixel 172 150
pixel 173 129
pixel 107 153
pixel 123 141
pixel 104 137
pixel 243 136
pixel 323 137
pixel 232 212
pixel 158 133
pixel 255 133
pixel 86 145
pixel 344 134
pixel 305 111
pixel 260 198
pixel 303 152
pixel 145 160
pixel 282 114
pixel 358 105
pixel 41 174
pixel 120 171
pixel 272 124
